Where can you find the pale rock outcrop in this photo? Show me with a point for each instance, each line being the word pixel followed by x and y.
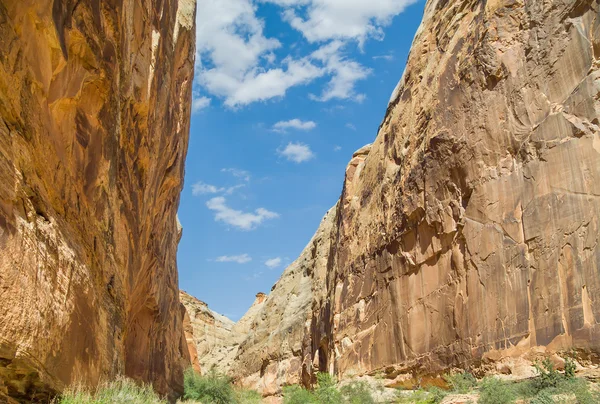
pixel 94 116
pixel 216 337
pixel 467 234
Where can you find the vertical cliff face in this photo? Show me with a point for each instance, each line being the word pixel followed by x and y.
pixel 468 232
pixel 94 117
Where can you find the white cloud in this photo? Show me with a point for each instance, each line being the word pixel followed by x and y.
pixel 297 152
pixel 200 103
pixel 350 126
pixel 337 148
pixel 240 64
pixel 231 47
pixel 237 218
pixel 388 57
pixel 282 126
pixel 201 188
pixel 273 262
pixel 322 20
pixel 240 259
pixel 243 174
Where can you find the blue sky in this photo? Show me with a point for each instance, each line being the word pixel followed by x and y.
pixel 285 92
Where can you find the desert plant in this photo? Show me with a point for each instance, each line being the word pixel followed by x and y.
pixel 494 391
pixel 326 391
pixel 570 368
pixel 213 388
pixel 243 396
pixel 121 390
pixel 358 392
pixel 461 382
pixel 547 376
pixel 543 397
pixel 297 395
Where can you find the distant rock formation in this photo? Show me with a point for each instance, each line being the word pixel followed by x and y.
pixel 95 101
pixel 216 338
pixel 468 233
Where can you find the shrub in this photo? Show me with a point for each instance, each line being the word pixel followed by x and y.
pixel 543 397
pixel 326 392
pixel 495 391
pixel 213 388
pixel 297 395
pixel 243 396
pixel 570 368
pixel 122 390
pixel 461 382
pixel 547 376
pixel 433 395
pixel 358 392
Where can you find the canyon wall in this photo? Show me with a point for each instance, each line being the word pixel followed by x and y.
pixel 468 232
pixel 94 116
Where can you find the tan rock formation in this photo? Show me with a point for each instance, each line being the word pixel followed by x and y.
pixel 94 116
pixel 468 232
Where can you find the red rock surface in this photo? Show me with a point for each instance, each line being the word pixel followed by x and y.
pixel 468 232
pixel 94 116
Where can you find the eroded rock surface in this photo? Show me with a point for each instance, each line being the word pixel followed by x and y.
pixel 94 117
pixel 468 232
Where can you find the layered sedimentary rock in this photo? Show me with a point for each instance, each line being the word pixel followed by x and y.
pixel 94 117
pixel 468 232
pixel 216 338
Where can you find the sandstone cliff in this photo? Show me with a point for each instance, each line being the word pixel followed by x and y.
pixel 216 338
pixel 468 232
pixel 94 116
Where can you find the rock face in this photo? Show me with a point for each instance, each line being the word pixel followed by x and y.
pixel 94 117
pixel 216 338
pixel 468 232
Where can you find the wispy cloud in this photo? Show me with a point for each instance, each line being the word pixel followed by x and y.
pixel 350 126
pixel 199 103
pixel 388 57
pixel 283 126
pixel 297 152
pixel 237 218
pixel 244 175
pixel 201 188
pixel 273 262
pixel 239 259
pixel 337 148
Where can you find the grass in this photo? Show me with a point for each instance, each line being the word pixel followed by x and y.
pixel 327 392
pixel 121 390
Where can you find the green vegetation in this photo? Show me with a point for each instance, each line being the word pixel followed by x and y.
pixel 461 383
pixel 215 388
pixel 122 390
pixel 549 387
pixel 326 392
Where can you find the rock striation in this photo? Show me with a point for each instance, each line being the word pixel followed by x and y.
pixel 94 116
pixel 468 232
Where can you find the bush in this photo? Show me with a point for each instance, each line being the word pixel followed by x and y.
pixel 543 397
pixel 433 395
pixel 122 390
pixel 213 388
pixel 243 396
pixel 495 391
pixel 326 392
pixel 547 376
pixel 358 392
pixel 297 395
pixel 570 368
pixel 461 382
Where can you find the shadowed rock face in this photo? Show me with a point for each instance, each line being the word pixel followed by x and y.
pixel 94 116
pixel 468 232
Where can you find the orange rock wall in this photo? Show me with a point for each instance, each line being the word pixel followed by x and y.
pixel 468 232
pixel 94 116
